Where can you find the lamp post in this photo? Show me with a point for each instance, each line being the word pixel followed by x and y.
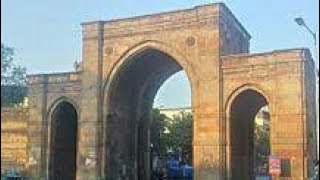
pixel 300 21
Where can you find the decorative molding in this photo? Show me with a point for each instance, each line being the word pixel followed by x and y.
pixel 109 50
pixel 199 16
pixel 54 78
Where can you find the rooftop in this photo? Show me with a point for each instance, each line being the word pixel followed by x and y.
pixel 219 5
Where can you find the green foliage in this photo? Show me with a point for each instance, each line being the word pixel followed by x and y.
pixel 262 140
pixel 13 78
pixel 12 95
pixel 178 137
pixel 157 132
pixel 262 145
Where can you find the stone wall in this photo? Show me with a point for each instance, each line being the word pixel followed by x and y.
pixel 286 79
pixel 14 139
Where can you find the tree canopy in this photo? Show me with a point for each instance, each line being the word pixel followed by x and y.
pixel 172 134
pixel 13 78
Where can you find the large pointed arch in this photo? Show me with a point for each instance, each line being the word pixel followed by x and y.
pixel 128 98
pixel 157 45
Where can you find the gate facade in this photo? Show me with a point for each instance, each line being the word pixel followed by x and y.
pixel 125 61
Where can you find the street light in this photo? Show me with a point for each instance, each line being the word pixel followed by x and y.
pixel 300 21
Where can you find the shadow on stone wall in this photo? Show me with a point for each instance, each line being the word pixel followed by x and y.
pixel 14 153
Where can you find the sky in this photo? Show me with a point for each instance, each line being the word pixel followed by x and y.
pixel 47 34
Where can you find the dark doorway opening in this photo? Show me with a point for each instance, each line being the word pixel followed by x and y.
pixel 247 152
pixel 63 142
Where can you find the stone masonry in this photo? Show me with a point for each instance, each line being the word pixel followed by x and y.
pixel 125 61
pixel 14 139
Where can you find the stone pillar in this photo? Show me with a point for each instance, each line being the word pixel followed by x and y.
pixel 144 148
pixel 206 146
pixel 206 105
pixel 90 122
pixel 292 118
pixel 37 127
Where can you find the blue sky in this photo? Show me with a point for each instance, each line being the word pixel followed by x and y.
pixel 47 34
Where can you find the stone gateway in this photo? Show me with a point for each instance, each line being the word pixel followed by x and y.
pixel 95 123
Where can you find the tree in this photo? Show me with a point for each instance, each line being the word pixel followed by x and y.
pixel 262 142
pixel 178 137
pixel 157 132
pixel 13 78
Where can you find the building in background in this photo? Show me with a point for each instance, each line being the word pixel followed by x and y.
pixel 171 112
pixel 263 118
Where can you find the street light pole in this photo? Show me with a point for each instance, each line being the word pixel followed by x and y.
pixel 300 21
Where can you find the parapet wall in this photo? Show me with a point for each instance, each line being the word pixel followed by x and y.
pixel 14 141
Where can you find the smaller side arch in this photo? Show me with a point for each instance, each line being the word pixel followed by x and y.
pixel 231 98
pixel 57 101
pixel 48 116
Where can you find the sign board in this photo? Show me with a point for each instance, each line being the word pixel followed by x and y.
pixel 274 165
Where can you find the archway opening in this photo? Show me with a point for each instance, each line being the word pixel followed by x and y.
pixel 130 100
pixel 249 135
pixel 172 129
pixel 63 142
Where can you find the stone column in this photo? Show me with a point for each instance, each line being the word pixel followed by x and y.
pixel 206 106
pixel 293 117
pixel 90 122
pixel 37 127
